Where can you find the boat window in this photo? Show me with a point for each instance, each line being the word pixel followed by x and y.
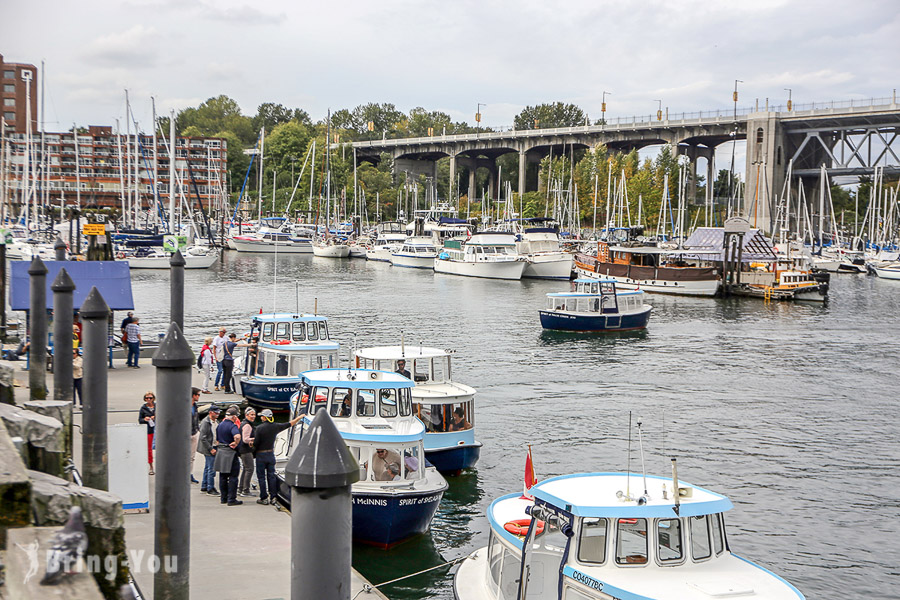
pixel 313 333
pixel 571 593
pixel 509 576
pixel 298 364
pixel 341 402
pixel 388 403
pixel 268 328
pixel 411 463
pixel 320 399
pixel 281 365
pixel 323 331
pixel 668 537
pixel 281 331
pixel 592 544
pixel 438 368
pixel 299 332
pixel 420 369
pixel 718 543
pixel 261 362
pixel 405 402
pixel 631 542
pixel 495 557
pixel 700 547
pixel 365 403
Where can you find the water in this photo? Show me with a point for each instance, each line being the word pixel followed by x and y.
pixel 789 409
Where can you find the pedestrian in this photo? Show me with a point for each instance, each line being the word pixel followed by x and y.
pixel 207 357
pixel 219 348
pixel 228 364
pixel 264 442
pixel 227 465
pixel 246 450
pixel 147 415
pixel 195 428
pixel 206 445
pixel 133 330
pixel 125 323
pixel 253 351
pixel 77 374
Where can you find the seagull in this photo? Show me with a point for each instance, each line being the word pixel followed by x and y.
pixel 66 547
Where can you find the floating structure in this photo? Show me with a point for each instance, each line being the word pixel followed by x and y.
pixel 492 255
pixel 595 306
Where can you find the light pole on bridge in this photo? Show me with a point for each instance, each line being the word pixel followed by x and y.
pixel 735 97
pixel 603 107
pixel 478 114
pixel 789 104
pixel 659 110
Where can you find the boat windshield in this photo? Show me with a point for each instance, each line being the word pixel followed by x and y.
pixel 388 463
pixel 424 370
pixel 386 402
pixel 297 331
pixel 272 363
pixel 440 418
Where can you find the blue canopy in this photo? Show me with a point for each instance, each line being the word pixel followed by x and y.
pixel 112 279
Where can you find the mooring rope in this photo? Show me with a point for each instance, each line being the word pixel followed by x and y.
pixel 368 588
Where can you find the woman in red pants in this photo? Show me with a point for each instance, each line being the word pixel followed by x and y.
pixel 147 415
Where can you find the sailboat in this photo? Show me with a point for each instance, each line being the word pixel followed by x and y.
pixel 329 246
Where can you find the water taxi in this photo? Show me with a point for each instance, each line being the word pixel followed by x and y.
pixel 613 535
pixel 415 253
pixel 446 407
pixel 289 344
pixel 491 255
pixel 595 305
pixel 397 494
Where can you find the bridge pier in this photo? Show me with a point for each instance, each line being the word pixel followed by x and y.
pixel 765 169
pixel 523 164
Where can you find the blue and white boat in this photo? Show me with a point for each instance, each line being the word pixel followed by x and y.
pixel 595 306
pixel 446 407
pixel 389 237
pixel 398 493
pixel 588 536
pixel 289 344
pixel 415 253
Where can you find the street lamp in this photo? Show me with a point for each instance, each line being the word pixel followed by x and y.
pixel 790 104
pixel 478 114
pixel 659 110
pixel 603 106
pixel 735 97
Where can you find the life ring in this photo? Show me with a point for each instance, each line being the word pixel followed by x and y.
pixel 120 255
pixel 520 527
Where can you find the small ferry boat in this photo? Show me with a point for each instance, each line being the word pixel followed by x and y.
pixel 486 254
pixel 587 537
pixel 415 253
pixel 595 305
pixel 446 407
pixel 289 344
pixel 397 494
pixel 389 237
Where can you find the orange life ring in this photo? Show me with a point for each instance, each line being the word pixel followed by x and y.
pixel 520 527
pixel 120 255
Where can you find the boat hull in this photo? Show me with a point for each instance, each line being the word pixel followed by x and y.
pixel 298 247
pixel 413 262
pixel 162 262
pixel 549 267
pixel 558 320
pixel 888 272
pixel 685 281
pixel 380 254
pixel 512 269
pixel 454 459
pixel 275 395
pixel 337 251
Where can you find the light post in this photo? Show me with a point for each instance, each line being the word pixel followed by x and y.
pixel 603 107
pixel 659 110
pixel 735 97
pixel 478 114
pixel 789 104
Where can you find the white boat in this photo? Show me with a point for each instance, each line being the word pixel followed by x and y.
pixel 388 239
pixel 195 257
pixel 330 249
pixel 272 242
pixel 415 253
pixel 486 254
pixel 595 536
pixel 887 270
pixel 538 242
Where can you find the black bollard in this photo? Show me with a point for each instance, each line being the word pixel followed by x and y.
pixel 176 289
pixel 63 312
pixel 172 520
pixel 94 339
pixel 320 472
pixel 37 323
pixel 60 248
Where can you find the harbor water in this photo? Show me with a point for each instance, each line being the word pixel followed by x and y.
pixel 789 409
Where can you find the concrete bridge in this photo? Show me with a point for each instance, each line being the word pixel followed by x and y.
pixel 849 137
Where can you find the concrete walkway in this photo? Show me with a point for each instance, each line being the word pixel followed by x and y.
pixel 237 552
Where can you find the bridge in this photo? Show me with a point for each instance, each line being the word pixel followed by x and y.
pixel 849 137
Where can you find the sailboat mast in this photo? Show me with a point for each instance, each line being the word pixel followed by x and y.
pixel 259 178
pixel 155 164
pixel 127 212
pixel 77 167
pixel 821 206
pixel 172 171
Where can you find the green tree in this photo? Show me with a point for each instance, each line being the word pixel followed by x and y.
pixel 220 113
pixel 544 116
pixel 270 115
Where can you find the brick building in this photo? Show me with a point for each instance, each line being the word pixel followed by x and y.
pixel 19 88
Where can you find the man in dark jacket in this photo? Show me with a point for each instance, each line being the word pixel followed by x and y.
pixel 195 428
pixel 206 446
pixel 228 436
pixel 264 442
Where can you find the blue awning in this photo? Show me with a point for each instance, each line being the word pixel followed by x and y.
pixel 112 278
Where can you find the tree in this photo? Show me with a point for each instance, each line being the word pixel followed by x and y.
pixel 270 115
pixel 215 115
pixel 544 116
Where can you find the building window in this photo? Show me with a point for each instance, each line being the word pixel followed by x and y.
pixel 9 102
pixel 9 74
pixel 759 135
pixel 9 116
pixel 9 88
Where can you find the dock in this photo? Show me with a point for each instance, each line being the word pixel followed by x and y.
pixel 237 552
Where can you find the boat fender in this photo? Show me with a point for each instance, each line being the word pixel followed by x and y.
pixel 520 527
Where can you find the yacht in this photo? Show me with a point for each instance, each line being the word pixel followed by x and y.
pixel 485 254
pixel 415 253
pixel 274 235
pixel 539 242
pixel 389 237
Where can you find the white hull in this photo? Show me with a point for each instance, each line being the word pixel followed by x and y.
pixel 510 269
pixel 357 252
pixel 892 272
pixel 549 266
pixel 827 264
pixel 382 253
pixel 336 251
pixel 162 262
pixel 295 247
pixel 413 262
pixel 707 287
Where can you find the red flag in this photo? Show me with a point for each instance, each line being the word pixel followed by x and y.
pixel 530 479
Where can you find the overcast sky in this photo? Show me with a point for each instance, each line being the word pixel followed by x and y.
pixel 450 55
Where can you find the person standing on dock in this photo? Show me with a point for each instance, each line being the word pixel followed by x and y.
pixel 124 324
pixel 207 357
pixel 219 348
pixel 77 375
pixel 246 450
pixel 228 364
pixel 227 465
pixel 133 331
pixel 195 428
pixel 147 415
pixel 264 442
pixel 206 445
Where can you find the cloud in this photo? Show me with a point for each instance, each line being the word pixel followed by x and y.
pixel 242 14
pixel 135 47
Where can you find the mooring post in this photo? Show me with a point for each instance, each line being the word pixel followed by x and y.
pixel 37 321
pixel 94 448
pixel 176 289
pixel 320 472
pixel 172 520
pixel 63 312
pixel 60 248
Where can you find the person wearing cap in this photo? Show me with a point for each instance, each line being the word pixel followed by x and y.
pixel 264 442
pixel 195 428
pixel 206 446
pixel 227 465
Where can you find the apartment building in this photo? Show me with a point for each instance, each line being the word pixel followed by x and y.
pixel 19 89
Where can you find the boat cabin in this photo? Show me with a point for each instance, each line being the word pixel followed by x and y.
pixel 290 344
pixel 595 296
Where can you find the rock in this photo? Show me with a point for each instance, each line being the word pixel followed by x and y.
pixel 43 437
pixel 15 488
pixel 61 411
pixel 7 383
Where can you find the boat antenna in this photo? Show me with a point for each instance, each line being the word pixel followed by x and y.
pixel 646 496
pixel 402 346
pixel 628 469
pixel 297 290
pixel 315 306
pixel 676 493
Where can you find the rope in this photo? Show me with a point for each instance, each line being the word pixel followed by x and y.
pixel 369 588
